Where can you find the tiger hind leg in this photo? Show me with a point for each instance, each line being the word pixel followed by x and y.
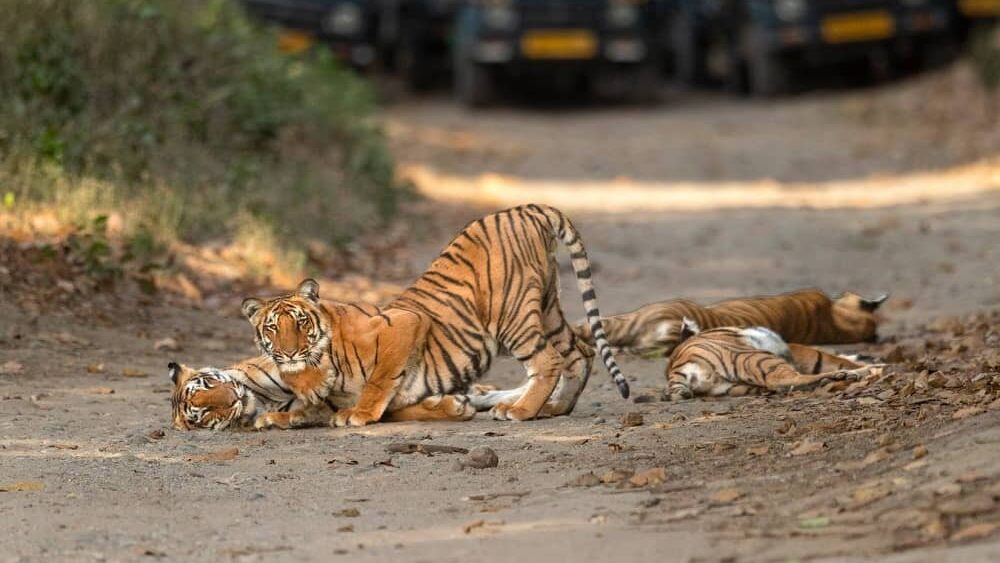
pixel 786 378
pixel 578 360
pixel 544 365
pixel 438 407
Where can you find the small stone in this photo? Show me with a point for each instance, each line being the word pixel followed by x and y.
pixel 919 452
pixel 481 457
pixel 586 480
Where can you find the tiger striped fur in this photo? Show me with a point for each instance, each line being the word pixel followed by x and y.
pixel 806 316
pixel 494 288
pixel 749 360
pixel 252 391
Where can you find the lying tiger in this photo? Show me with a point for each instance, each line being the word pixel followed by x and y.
pixel 494 288
pixel 806 316
pixel 750 360
pixel 251 392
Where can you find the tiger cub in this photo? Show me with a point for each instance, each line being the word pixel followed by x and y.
pixel 493 289
pixel 251 391
pixel 806 316
pixel 741 361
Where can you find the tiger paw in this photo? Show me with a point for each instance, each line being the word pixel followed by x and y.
pixel 351 417
pixel 458 407
pixel 271 420
pixel 509 411
pixel 481 389
pixel 681 394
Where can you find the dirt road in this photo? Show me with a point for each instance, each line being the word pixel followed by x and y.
pixel 702 198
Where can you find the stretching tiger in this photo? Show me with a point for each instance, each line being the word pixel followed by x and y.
pixel 805 317
pixel 740 361
pixel 494 287
pixel 252 391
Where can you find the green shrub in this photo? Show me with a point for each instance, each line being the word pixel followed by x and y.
pixel 182 115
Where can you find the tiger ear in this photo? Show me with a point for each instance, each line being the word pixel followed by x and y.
pixel 871 304
pixel 309 290
pixel 250 307
pixel 689 328
pixel 174 370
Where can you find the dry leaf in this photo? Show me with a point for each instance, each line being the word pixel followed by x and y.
pixel 726 496
pixel 876 456
pixel 585 480
pixel 649 477
pixel 763 450
pixel 967 506
pixel 632 419
pixel 23 487
pixel 227 454
pixel 919 452
pixel 129 372
pixel 863 496
pixel 966 412
pixel 102 391
pixel 96 368
pixel 11 368
pixel 807 446
pixel 974 531
pixel 166 345
pixel 473 525
pixel 64 446
pixel 615 476
pixel 348 513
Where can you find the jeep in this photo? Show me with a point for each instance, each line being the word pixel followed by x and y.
pixel 755 46
pixel 614 45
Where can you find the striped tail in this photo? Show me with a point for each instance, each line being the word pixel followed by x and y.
pixel 569 236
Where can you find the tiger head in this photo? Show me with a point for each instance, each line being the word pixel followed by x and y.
pixel 208 398
pixel 291 329
pixel 856 315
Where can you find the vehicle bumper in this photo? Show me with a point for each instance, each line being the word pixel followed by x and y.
pixel 814 44
pixel 582 51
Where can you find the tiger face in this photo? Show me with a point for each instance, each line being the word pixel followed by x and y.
pixel 854 314
pixel 208 398
pixel 290 329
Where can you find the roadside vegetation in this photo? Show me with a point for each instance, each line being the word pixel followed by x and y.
pixel 133 125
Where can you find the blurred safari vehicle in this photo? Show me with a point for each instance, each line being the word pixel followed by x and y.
pixel 756 46
pixel 976 13
pixel 612 45
pixel 348 27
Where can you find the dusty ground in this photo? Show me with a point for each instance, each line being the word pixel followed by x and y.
pixel 706 198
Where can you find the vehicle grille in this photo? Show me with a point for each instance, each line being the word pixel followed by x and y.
pixel 561 13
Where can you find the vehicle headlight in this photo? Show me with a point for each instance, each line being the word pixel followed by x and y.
pixel 499 16
pixel 621 14
pixel 789 10
pixel 345 19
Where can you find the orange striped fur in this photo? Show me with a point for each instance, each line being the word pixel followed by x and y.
pixel 493 289
pixel 805 317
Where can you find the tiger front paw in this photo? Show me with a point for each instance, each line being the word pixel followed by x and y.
pixel 351 417
pixel 680 394
pixel 272 420
pixel 510 411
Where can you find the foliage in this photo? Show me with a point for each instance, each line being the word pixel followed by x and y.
pixel 182 114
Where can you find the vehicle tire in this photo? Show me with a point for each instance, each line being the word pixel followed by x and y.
pixel 473 84
pixel 646 85
pixel 767 73
pixel 688 55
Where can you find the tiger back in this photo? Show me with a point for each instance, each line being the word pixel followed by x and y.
pixel 493 289
pixel 806 316
pixel 747 360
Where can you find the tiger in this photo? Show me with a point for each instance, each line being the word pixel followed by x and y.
pixel 251 391
pixel 494 289
pixel 805 316
pixel 738 361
